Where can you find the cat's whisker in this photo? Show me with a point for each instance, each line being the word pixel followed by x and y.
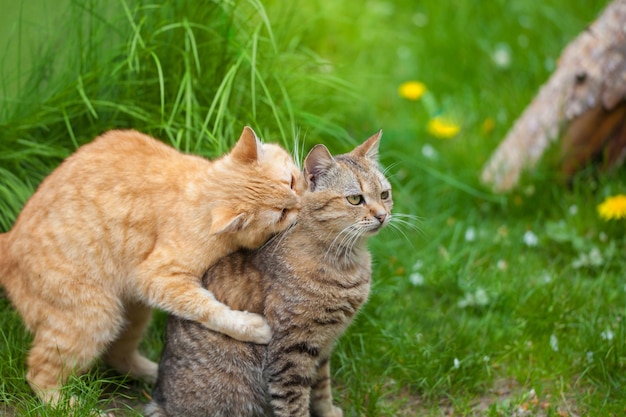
pixel 346 232
pixel 389 168
pixel 409 221
pixel 401 232
pixel 280 237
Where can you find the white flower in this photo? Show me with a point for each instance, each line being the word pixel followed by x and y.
pixel 429 152
pixel 502 265
pixel 416 279
pixel 470 234
pixel 530 239
pixel 501 56
pixel 589 357
pixel 554 342
pixel 573 210
pixel 478 298
pixel 457 363
pixel 607 335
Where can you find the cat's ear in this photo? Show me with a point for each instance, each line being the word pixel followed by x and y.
pixel 317 163
pixel 369 148
pixel 225 220
pixel 248 148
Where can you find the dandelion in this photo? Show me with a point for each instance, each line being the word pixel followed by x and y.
pixel 442 128
pixel 613 208
pixel 412 90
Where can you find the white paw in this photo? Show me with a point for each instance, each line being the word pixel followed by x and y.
pixel 335 412
pixel 248 327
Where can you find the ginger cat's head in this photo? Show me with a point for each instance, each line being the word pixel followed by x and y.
pixel 263 195
pixel 347 195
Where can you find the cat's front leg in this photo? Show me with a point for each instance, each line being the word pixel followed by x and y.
pixel 182 295
pixel 289 374
pixel 321 395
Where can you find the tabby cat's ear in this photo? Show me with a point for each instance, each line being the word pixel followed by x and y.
pixel 248 148
pixel 317 163
pixel 369 148
pixel 225 220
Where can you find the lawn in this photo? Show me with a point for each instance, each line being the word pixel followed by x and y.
pixel 482 304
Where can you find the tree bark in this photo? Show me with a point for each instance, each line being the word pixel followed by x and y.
pixel 585 94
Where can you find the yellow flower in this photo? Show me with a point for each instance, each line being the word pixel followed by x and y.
pixel 442 128
pixel 412 90
pixel 613 208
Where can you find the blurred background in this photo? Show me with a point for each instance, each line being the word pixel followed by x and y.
pixel 483 304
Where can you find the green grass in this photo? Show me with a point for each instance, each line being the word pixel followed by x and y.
pixel 465 318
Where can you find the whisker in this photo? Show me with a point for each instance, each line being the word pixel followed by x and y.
pixel 280 236
pixel 346 230
pixel 388 168
pixel 398 230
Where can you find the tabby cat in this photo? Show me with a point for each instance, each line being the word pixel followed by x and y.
pixel 309 282
pixel 126 224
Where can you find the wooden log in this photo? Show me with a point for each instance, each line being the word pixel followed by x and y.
pixel 584 99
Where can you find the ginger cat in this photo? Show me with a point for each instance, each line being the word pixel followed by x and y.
pixel 309 282
pixel 126 224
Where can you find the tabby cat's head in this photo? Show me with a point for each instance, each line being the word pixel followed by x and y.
pixel 347 195
pixel 262 195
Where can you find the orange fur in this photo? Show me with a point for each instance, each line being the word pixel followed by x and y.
pixel 126 224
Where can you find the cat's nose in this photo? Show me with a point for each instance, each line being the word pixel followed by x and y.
pixel 381 217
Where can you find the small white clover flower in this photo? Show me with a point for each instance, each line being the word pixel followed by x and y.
pixel 429 152
pixel 501 56
pixel 607 335
pixel 470 234
pixel 416 279
pixel 530 239
pixel 554 342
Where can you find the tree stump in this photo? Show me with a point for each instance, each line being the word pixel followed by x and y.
pixel 582 104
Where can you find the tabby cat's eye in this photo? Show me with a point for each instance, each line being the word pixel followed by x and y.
pixel 355 199
pixel 293 181
pixel 283 214
pixel 384 195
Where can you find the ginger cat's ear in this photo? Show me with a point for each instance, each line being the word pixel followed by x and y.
pixel 317 163
pixel 369 148
pixel 248 148
pixel 224 220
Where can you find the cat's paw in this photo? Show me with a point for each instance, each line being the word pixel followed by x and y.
pixel 333 412
pixel 248 327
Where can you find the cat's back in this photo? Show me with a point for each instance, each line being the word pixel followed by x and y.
pixel 119 167
pixel 127 154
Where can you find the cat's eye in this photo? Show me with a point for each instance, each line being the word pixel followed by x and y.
pixel 384 195
pixel 283 214
pixel 293 181
pixel 355 199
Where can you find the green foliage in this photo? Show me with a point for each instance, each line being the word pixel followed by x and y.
pixel 482 304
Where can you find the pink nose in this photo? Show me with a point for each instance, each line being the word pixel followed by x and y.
pixel 381 217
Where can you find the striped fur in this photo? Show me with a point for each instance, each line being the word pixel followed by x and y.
pixel 309 282
pixel 126 224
